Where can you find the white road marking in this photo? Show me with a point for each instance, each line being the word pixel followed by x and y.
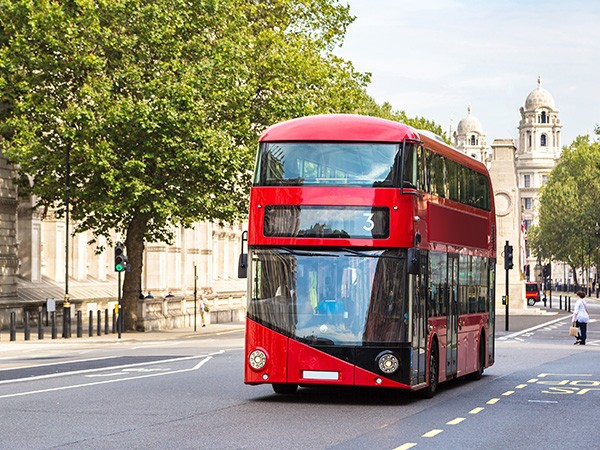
pixel 99 369
pixel 55 363
pixel 96 383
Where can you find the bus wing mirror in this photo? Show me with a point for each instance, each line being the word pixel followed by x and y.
pixel 243 259
pixel 414 261
pixel 243 265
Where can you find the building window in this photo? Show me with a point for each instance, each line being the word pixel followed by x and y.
pixel 529 139
pixel 472 139
pixel 543 140
pixel 527 203
pixel 527 181
pixel 544 118
pixel 544 179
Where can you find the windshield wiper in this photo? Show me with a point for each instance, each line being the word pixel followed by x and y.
pixel 317 340
pixel 305 253
pixel 369 255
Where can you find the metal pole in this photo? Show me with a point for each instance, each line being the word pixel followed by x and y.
pixel 507 298
pixel 53 324
pixel 26 333
pixel 40 325
pixel 195 298
pixel 13 331
pixel 120 316
pixel 67 304
pixel 79 324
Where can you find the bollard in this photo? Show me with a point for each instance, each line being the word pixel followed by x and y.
pixel 53 321
pixel 13 331
pixel 99 314
pixel 560 302
pixel 114 321
pixel 569 304
pixel 106 321
pixel 79 324
pixel 91 324
pixel 40 325
pixel 26 332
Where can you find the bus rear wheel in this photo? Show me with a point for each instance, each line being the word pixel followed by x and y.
pixel 431 389
pixel 285 388
pixel 480 361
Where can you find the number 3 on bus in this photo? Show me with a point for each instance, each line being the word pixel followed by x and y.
pixel 370 258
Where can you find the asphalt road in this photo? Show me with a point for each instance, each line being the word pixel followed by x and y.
pixel 187 391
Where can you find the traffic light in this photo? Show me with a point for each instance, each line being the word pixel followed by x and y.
pixel 120 258
pixel 508 257
pixel 546 271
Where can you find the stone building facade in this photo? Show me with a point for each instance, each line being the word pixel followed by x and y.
pixel 33 259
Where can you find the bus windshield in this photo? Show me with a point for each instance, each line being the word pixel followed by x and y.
pixel 328 297
pixel 319 163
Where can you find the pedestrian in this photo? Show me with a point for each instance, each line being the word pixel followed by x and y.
pixel 169 295
pixel 149 295
pixel 581 318
pixel 203 304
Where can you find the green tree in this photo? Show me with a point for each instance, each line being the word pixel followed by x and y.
pixel 569 206
pixel 159 104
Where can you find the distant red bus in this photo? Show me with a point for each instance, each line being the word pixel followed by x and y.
pixel 371 258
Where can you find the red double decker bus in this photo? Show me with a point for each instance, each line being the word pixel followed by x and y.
pixel 371 258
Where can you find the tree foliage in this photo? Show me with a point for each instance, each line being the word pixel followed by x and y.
pixel 569 209
pixel 159 103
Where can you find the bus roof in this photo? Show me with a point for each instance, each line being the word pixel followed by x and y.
pixel 357 128
pixel 339 127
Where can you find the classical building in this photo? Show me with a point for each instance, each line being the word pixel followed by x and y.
pixel 470 138
pixel 538 149
pixel 518 170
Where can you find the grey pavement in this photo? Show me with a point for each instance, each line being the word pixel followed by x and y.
pixel 133 336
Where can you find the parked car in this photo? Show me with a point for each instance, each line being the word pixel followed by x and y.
pixel 532 293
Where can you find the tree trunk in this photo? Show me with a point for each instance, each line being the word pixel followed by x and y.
pixel 132 286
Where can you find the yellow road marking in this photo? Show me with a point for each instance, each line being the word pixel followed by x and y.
pixel 533 380
pixel 455 421
pixel 520 386
pixel 507 393
pixel 406 446
pixel 432 433
pixel 476 410
pixel 493 401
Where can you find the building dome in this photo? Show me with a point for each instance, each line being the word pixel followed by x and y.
pixel 469 124
pixel 539 98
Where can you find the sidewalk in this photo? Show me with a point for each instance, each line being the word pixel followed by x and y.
pixel 132 336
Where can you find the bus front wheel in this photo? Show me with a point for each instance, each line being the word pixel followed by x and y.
pixel 431 389
pixel 284 388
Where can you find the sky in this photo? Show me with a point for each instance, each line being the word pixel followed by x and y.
pixel 433 58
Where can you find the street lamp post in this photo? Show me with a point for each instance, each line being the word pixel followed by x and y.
pixel 66 303
pixel 597 234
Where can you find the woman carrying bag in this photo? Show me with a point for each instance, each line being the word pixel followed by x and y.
pixel 581 318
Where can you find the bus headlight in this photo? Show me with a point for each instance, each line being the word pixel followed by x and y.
pixel 257 359
pixel 388 362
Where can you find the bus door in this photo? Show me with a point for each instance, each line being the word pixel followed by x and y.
pixel 418 291
pixel 452 317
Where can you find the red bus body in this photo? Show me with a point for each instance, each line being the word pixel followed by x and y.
pixel 433 323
